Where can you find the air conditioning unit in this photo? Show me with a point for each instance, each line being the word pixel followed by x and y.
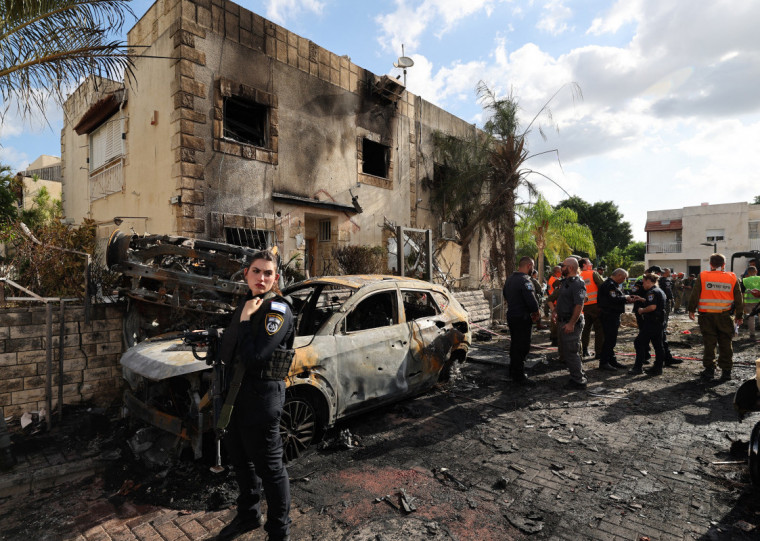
pixel 448 231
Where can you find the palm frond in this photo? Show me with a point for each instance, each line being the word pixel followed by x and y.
pixel 47 46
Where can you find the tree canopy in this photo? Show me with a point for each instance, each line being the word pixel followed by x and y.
pixel 47 46
pixel 604 220
pixel 476 185
pixel 551 232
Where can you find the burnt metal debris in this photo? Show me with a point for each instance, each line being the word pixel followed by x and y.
pixel 179 272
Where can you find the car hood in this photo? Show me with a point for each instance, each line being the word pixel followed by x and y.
pixel 161 358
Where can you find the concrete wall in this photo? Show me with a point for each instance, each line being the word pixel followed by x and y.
pixel 321 106
pixel 732 218
pixel 91 353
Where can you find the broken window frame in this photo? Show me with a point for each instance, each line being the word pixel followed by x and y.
pixel 414 309
pixel 234 123
pixel 373 163
pixel 364 321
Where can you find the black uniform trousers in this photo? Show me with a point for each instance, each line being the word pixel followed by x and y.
pixel 254 446
pixel 650 331
pixel 519 332
pixel 610 326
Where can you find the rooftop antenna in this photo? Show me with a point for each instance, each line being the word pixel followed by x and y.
pixel 403 62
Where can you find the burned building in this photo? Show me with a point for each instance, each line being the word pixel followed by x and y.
pixel 235 129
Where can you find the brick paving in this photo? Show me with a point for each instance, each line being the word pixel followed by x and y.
pixel 630 457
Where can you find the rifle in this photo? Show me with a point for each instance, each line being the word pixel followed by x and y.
pixel 210 338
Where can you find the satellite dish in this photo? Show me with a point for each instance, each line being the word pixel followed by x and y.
pixel 404 62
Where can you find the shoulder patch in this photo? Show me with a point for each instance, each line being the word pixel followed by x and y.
pixel 273 323
pixel 650 297
pixel 528 286
pixel 278 306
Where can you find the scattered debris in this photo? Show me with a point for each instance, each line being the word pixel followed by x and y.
pixel 446 474
pixel 501 484
pixel 530 523
pixel 517 468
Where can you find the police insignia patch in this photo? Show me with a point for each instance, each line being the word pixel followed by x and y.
pixel 650 297
pixel 273 323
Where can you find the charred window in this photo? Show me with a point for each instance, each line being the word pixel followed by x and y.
pixel 246 121
pixel 258 239
pixel 418 305
pixel 375 311
pixel 375 158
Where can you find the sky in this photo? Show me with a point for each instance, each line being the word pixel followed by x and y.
pixel 653 105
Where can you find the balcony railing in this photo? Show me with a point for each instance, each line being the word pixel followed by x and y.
pixel 106 181
pixel 664 248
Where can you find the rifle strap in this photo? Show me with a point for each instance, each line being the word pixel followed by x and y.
pixel 239 373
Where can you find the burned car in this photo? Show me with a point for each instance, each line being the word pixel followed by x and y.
pixel 361 341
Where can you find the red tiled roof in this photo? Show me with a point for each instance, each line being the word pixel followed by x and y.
pixel 664 225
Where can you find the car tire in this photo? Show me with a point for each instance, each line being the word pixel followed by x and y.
pixel 754 455
pixel 298 426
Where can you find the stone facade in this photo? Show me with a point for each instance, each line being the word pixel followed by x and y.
pixel 91 353
pixel 323 119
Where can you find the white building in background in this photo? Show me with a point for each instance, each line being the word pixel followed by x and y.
pixel 683 239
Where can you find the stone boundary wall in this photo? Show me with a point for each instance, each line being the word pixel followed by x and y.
pixel 91 353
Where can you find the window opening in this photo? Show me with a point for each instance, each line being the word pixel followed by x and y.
pixel 245 121
pixel 324 230
pixel 375 158
pixel 314 305
pixel 258 239
pixel 106 143
pixel 715 235
pixel 418 305
pixel 375 311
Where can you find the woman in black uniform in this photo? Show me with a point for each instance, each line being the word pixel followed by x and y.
pixel 259 338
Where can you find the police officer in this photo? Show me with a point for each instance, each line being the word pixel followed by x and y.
pixel 591 312
pixel 652 312
pixel 522 311
pixel 539 291
pixel 612 302
pixel 666 284
pixel 568 312
pixel 716 293
pixel 678 289
pixel 260 333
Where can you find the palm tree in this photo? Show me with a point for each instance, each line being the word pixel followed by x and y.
pixel 481 176
pixel 46 46
pixel 552 232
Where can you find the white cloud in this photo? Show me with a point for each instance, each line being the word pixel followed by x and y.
pixel 16 159
pixel 623 12
pixel 280 11
pixel 554 17
pixel 409 22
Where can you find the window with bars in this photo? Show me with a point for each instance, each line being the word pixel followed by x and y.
pixel 754 231
pixel 324 231
pixel 259 239
pixel 106 143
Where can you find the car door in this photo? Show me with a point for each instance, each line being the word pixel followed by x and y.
pixel 425 356
pixel 372 345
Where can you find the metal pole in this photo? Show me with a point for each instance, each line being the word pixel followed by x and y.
pixel 49 363
pixel 429 239
pixel 400 250
pixel 60 364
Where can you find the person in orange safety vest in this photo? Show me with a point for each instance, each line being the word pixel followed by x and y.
pixel 715 295
pixel 591 311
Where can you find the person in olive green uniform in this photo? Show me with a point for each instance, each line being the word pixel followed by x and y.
pixel 716 293
pixel 750 282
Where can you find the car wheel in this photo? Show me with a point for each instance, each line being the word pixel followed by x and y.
pixel 298 426
pixel 754 455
